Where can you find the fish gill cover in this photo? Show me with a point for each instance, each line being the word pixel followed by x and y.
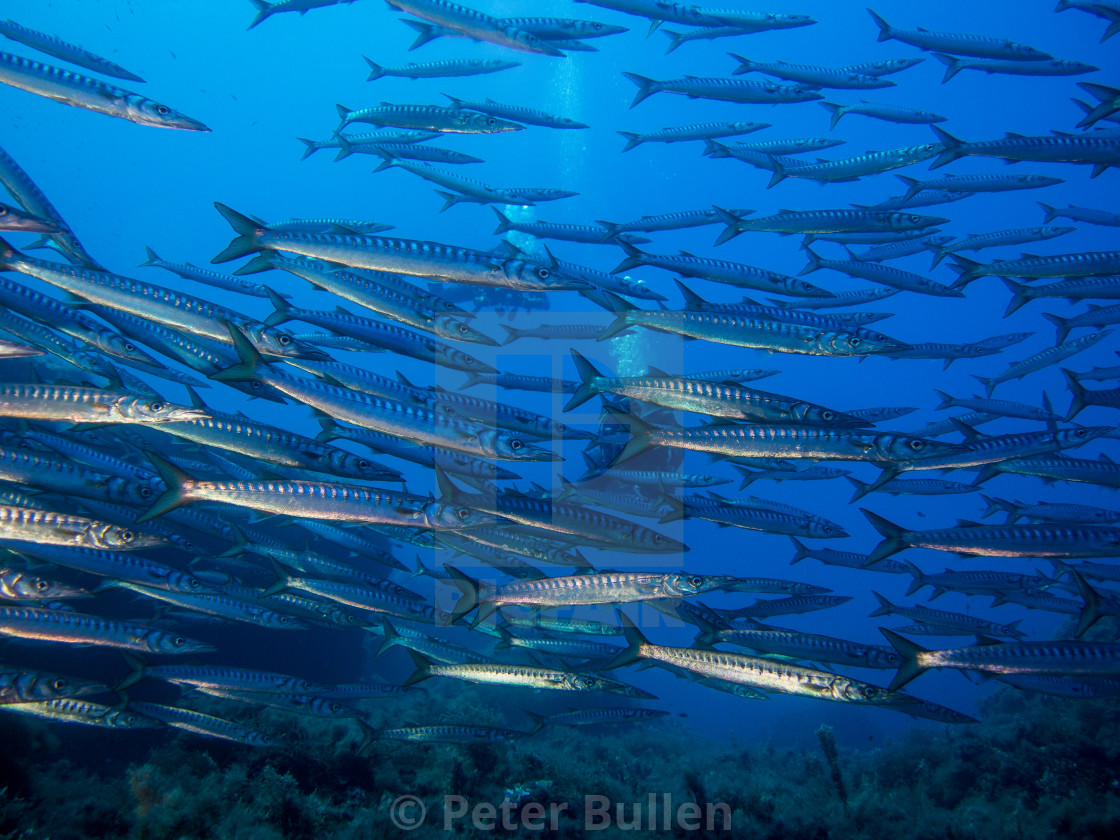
pixel 615 415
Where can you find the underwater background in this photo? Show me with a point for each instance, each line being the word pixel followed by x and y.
pixel 1033 766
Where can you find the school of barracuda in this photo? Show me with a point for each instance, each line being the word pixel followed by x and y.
pixel 208 519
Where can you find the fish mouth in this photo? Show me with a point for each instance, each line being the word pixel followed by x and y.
pixel 311 354
pixel 480 367
pixel 33 224
pixel 185 123
pixel 537 454
pixel 182 414
pixel 473 337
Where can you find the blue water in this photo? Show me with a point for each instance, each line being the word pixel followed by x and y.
pixel 122 187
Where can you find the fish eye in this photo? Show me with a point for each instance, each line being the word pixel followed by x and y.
pixel 463 513
pixel 337 709
pixel 917 445
pixel 827 414
pixel 156 406
pixel 658 539
pixel 468 359
pixel 915 219
pixel 127 536
pixel 3 211
pixel 363 464
pixel 144 492
pixel 178 641
pixel 856 342
pixel 515 444
pixel 463 329
pixel 695 580
pixel 596 26
pixel 129 346
pixel 827 529
pixel 1081 432
pixel 588 682
pixel 193 583
pixel 306 685
pixel 282 619
pixel 41 585
pixel 492 468
pixel 491 121
pixel 163 110
pixel 543 273
pixel 59 684
pixel 284 340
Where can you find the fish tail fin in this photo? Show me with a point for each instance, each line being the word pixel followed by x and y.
pixel 749 476
pixel 967 270
pixel 675 40
pixel 952 147
pixel 885 607
pixel 587 376
pixel 539 721
pixel 251 362
pixel 622 309
pixel 632 139
pixel 639 435
pixel 814 263
pixel 634 258
pixel 134 676
pixel 861 488
pixel 1091 612
pixel 836 110
pixel 264 11
pixel 778 171
pixel 264 261
pixel 344 147
pixel 376 71
pixel 646 87
pixel 946 400
pixel 1022 295
pixel 885 33
pixel 245 228
pixel 939 255
pixel 913 186
pixel 745 64
pixel 423 668
pixel 634 643
pixel 915 573
pixel 801 551
pixel 512 333
pixel 892 537
pixel 468 586
pixel 392 637
pixel 1080 394
pixel 281 311
pixel 952 65
pixel 909 669
pixel 176 495
pixel 1051 212
pixel 152 257
pixel 1061 323
pixel 504 223
pixel 986 381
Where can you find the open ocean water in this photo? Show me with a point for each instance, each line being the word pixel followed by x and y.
pixel 972 756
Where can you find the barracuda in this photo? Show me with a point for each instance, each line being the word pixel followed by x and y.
pixel 1101 152
pixel 476 25
pixel 115 565
pixel 271 445
pixel 714 399
pixel 750 670
pixel 588 526
pixel 87 405
pixel 804 646
pixel 440 650
pixel 431 260
pixel 81 91
pixel 516 113
pixel 223 606
pixel 146 300
pixel 71 53
pixel 527 545
pixel 1042 360
pixel 440 69
pixel 523 677
pixel 64 477
pixel 76 628
pixel 32 199
pixel 386 416
pixel 1057 657
pixel 90 714
pixel 698 131
pixel 725 512
pixel 889 113
pixel 21 685
pixel 200 724
pixel 1051 67
pixel 819 77
pixel 724 89
pixel 981 46
pixel 887 275
pixel 315 500
pixel 748 330
pixel 189 271
pixel 856 167
pixel 570 590
pixel 970 539
pixel 12 218
pixel 883 448
pixel 816 222
pixel 381 334
pixel 425 118
pixel 722 271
